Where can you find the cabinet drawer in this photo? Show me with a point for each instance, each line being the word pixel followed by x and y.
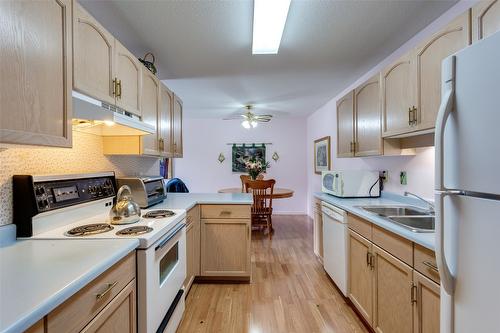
pixel 396 245
pixel 425 262
pixel 193 215
pixel 225 211
pixel 81 308
pixel 362 227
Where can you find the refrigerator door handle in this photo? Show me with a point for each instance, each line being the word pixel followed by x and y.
pixel 447 278
pixel 447 93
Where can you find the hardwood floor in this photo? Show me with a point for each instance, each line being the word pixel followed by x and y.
pixel 290 291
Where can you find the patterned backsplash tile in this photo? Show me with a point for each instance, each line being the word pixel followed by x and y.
pixel 85 156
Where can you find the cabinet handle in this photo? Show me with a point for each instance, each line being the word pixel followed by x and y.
pixel 414 114
pixel 410 118
pixel 431 266
pixel 161 144
pixel 372 261
pixel 119 88
pixel 413 293
pixel 367 258
pixel 225 212
pixel 109 286
pixel 114 86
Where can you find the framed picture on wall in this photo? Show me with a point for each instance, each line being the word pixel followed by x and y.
pixel 322 155
pixel 243 153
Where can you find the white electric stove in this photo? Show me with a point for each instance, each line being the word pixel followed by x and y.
pixel 77 207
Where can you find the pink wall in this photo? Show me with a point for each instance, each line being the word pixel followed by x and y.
pixel 202 172
pixel 419 168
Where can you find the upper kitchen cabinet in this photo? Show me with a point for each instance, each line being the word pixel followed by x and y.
pixel 398 97
pixel 129 76
pixel 150 109
pixel 485 19
pixel 345 126
pixel 368 139
pixel 165 121
pixel 93 57
pixel 428 58
pixel 177 127
pixel 36 72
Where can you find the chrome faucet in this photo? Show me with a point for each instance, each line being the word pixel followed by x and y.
pixel 430 204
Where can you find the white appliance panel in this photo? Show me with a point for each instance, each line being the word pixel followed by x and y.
pixel 471 135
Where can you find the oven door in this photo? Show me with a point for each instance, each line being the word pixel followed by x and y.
pixel 161 270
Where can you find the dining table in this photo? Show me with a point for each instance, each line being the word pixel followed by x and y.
pixel 278 192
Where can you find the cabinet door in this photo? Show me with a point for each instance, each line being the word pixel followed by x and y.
pixel 150 102
pixel 318 230
pixel 93 57
pixel 118 316
pixel 426 308
pixel 345 126
pixel 177 127
pixel 428 59
pixel 360 275
pixel 485 19
pixel 225 247
pixel 36 72
pixel 392 294
pixel 192 247
pixel 368 125
pixel 165 121
pixel 397 97
pixel 129 75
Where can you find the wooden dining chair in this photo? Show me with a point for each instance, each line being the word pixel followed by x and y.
pixel 262 208
pixel 244 178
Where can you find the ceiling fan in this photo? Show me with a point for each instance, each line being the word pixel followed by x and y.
pixel 250 119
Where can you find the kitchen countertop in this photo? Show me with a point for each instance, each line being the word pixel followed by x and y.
pixel 350 205
pixel 38 275
pixel 189 200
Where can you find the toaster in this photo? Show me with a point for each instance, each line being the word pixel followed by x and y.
pixel 146 191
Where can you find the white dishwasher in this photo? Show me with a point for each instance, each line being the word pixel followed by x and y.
pixel 335 238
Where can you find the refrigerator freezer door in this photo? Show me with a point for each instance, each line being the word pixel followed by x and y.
pixel 472 133
pixel 472 238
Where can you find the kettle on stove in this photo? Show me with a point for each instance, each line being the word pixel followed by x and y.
pixel 126 210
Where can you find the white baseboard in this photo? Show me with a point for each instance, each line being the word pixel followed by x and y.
pixel 288 213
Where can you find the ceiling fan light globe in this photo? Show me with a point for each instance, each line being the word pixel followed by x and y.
pixel 245 124
pixel 254 123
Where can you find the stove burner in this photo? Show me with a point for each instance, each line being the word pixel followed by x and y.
pixel 90 229
pixel 137 230
pixel 158 214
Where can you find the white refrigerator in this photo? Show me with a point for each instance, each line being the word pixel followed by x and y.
pixel 467 183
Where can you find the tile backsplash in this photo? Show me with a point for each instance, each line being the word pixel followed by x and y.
pixel 85 156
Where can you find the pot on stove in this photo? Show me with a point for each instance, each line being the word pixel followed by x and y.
pixel 126 210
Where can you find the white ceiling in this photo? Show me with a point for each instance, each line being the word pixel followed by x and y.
pixel 204 48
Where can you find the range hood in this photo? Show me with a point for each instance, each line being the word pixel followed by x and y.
pixel 93 116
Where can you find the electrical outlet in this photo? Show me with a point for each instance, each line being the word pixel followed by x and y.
pixel 403 179
pixel 384 175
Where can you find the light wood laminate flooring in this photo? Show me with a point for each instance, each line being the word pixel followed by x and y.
pixel 289 292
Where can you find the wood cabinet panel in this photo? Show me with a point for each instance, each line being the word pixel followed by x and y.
pixel 129 73
pixel 38 327
pixel 425 262
pixel 361 226
pixel 360 275
pixel 36 72
pixel 485 19
pixel 93 58
pixel 397 96
pixel 396 245
pixel 118 316
pixel 74 314
pixel 345 126
pixel 165 121
pixel 225 247
pixel 429 56
pixel 225 211
pixel 177 127
pixel 192 246
pixel 318 230
pixel 367 119
pixel 392 294
pixel 427 306
pixel 150 104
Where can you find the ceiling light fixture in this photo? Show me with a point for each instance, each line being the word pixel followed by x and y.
pixel 269 18
pixel 246 124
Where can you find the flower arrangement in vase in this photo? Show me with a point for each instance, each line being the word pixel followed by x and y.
pixel 255 167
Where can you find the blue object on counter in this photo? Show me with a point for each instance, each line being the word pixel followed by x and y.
pixel 176 185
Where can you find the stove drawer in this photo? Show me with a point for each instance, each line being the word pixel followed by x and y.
pixel 225 211
pixel 74 314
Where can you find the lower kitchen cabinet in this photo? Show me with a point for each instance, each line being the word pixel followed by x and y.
pixel 192 246
pixel 360 275
pixel 318 230
pixel 426 304
pixel 392 293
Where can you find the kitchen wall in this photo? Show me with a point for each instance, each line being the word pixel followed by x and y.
pixel 207 138
pixel 419 168
pixel 85 156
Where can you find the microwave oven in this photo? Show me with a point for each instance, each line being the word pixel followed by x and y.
pixel 351 183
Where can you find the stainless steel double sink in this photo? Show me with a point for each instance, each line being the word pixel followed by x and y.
pixel 413 218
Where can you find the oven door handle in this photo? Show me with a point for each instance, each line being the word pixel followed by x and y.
pixel 170 235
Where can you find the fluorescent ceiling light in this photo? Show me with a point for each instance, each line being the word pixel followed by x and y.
pixel 269 18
